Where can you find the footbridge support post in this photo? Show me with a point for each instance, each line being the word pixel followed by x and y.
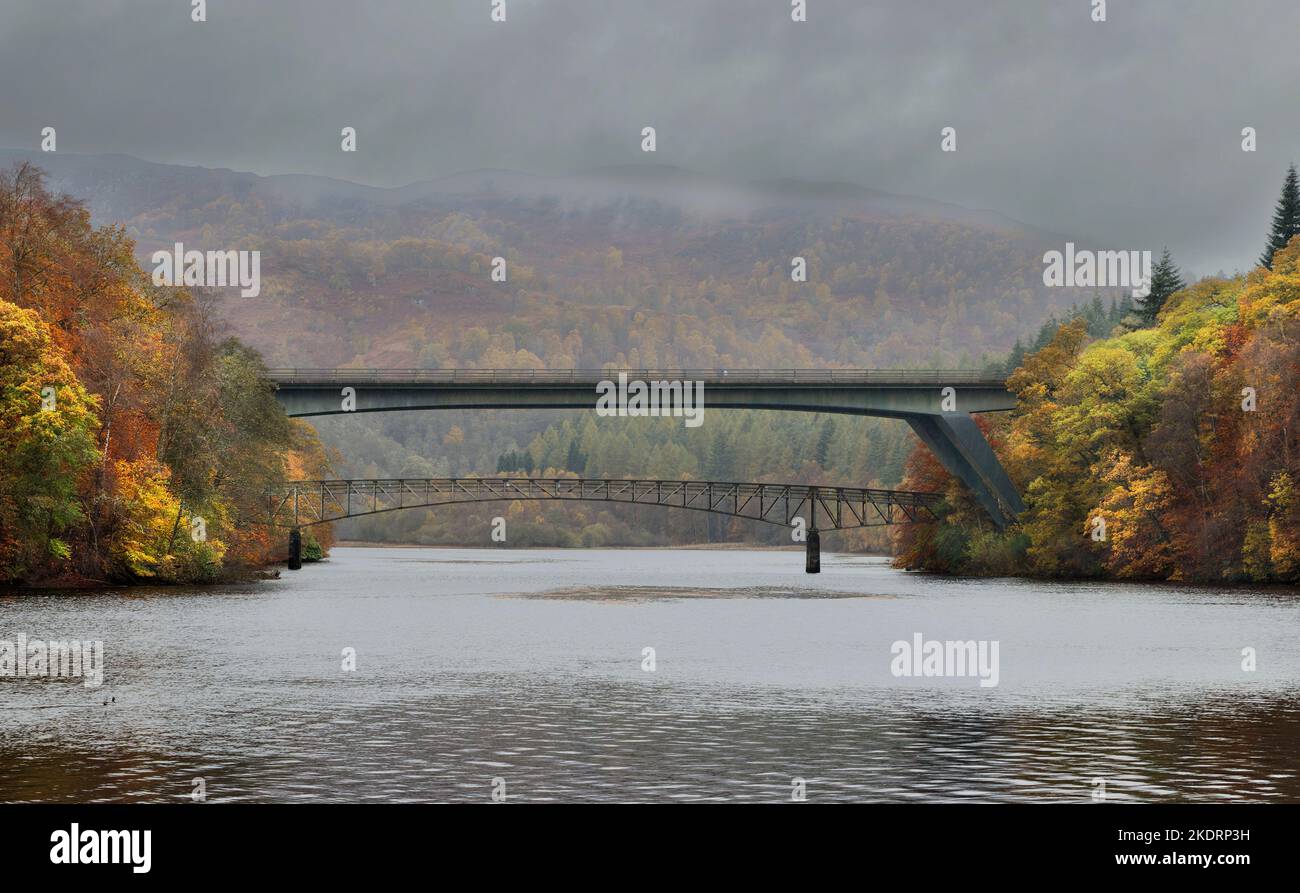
pixel 295 549
pixel 813 565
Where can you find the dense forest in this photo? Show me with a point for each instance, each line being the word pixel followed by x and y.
pixel 1170 451
pixel 136 435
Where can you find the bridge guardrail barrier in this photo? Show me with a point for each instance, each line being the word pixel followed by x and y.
pixel 916 377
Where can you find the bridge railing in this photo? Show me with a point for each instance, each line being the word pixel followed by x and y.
pixel 304 376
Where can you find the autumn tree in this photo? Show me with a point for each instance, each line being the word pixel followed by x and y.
pixel 47 445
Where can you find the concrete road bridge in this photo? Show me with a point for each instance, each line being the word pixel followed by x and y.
pixel 937 403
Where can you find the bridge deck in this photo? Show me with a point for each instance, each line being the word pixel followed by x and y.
pixel 786 377
pixel 304 503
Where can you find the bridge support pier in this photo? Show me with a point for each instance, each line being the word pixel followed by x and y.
pixel 295 549
pixel 813 564
pixel 959 445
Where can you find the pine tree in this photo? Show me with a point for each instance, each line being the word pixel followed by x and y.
pixel 1095 314
pixel 1165 280
pixel 721 458
pixel 1286 219
pixel 1045 333
pixel 1116 312
pixel 823 449
pixel 574 461
pixel 1016 358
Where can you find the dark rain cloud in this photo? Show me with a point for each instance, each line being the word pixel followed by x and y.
pixel 1125 133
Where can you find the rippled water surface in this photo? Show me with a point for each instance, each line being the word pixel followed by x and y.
pixel 527 666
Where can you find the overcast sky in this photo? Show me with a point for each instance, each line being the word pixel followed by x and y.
pixel 1126 133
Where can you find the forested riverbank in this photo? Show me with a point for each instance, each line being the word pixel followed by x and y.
pixel 136 435
pixel 1155 440
pixel 1168 452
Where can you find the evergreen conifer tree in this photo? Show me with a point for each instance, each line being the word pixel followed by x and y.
pixel 823 449
pixel 1165 280
pixel 1286 218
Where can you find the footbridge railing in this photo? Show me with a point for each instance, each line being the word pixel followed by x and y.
pixel 304 503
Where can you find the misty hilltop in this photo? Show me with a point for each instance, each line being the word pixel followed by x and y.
pixel 638 265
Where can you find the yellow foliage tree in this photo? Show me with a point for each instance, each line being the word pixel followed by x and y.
pixel 155 538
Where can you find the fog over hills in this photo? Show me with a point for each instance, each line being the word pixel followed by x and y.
pixel 120 187
pixel 1126 133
